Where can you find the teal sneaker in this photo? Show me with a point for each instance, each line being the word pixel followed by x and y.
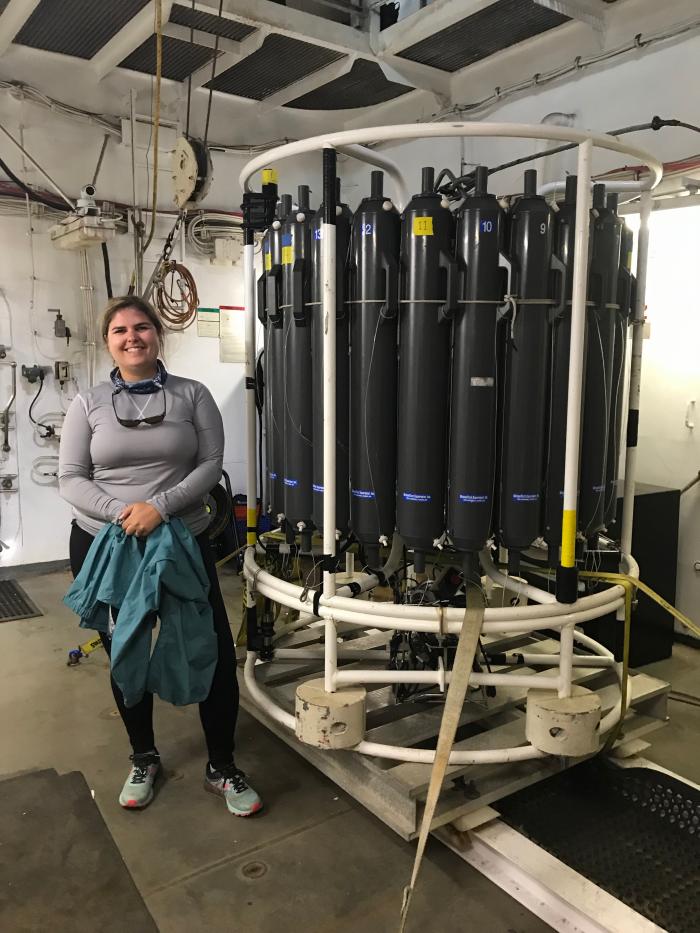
pixel 137 792
pixel 231 784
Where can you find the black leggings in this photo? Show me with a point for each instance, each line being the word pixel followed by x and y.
pixel 220 709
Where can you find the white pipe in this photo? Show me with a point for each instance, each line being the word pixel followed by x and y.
pixel 552 660
pixel 566 657
pixel 328 310
pixel 635 374
pixel 578 617
pixel 576 354
pixel 558 187
pixel 251 479
pixel 442 130
pixel 347 676
pixel 582 639
pixel 516 586
pixel 392 752
pixel 428 618
pixel 427 757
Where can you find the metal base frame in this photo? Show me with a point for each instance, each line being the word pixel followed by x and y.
pixel 395 791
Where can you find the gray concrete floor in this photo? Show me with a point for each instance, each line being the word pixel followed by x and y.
pixel 314 861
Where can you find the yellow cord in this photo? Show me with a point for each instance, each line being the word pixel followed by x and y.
pixel 620 578
pixel 630 584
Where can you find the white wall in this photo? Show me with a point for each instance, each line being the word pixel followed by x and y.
pixel 669 450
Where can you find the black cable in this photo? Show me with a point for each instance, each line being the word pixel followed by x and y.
pixel 656 123
pixel 32 195
pixel 259 404
pixel 213 73
pixel 108 271
pixel 49 428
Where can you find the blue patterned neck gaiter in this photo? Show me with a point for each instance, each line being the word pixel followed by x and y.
pixel 144 386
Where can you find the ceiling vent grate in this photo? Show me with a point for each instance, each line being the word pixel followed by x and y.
pixel 279 62
pixel 208 22
pixel 363 86
pixel 76 27
pixel 180 58
pixel 491 30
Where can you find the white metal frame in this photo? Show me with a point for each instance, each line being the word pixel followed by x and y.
pixel 547 612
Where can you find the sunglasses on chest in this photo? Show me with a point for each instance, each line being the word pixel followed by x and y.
pixel 135 422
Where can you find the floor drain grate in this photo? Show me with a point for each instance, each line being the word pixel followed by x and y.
pixel 14 602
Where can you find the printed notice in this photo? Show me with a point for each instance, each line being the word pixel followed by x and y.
pixel 232 334
pixel 208 322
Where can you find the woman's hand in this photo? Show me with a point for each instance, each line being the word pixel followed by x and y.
pixel 140 519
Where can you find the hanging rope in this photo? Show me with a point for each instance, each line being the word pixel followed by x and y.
pixel 156 117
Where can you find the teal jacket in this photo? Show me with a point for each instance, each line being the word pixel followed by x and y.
pixel 162 574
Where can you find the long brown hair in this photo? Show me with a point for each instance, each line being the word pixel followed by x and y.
pixel 114 305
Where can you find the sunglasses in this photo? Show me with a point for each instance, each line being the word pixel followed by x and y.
pixel 135 422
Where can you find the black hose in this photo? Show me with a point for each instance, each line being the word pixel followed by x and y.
pixel 466 182
pixel 31 194
pixel 48 428
pixel 108 273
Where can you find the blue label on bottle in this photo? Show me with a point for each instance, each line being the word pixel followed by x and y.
pixel 363 493
pixel 472 497
pixel 526 497
pixel 318 488
pixel 367 229
pixel 417 497
pixel 290 482
pixel 598 488
pixel 272 475
pixel 318 235
pixel 286 239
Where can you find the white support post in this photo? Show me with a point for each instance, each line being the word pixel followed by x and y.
pixel 566 659
pixel 328 310
pixel 251 453
pixel 573 408
pixel 635 374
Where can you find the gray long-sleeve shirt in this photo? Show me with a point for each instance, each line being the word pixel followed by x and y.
pixel 104 466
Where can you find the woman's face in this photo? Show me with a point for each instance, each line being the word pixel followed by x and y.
pixel 132 341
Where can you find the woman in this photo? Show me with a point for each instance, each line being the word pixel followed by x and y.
pixel 142 448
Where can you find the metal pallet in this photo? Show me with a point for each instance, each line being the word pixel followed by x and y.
pixel 395 791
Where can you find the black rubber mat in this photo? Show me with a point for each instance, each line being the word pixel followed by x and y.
pixel 14 602
pixel 635 832
pixel 60 869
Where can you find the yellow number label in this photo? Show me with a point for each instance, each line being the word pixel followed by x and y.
pixel 422 226
pixel 268 262
pixel 287 255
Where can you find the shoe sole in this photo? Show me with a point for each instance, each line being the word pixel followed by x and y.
pixel 212 789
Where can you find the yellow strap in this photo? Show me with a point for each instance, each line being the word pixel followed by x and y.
pixel 630 584
pixel 621 578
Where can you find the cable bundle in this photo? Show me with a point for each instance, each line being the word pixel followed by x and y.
pixel 175 295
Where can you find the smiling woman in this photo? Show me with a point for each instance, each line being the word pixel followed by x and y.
pixel 139 450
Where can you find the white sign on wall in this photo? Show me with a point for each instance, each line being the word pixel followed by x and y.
pixel 232 334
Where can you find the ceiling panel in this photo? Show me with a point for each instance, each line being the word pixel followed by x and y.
pixel 180 58
pixel 278 62
pixel 491 30
pixel 208 22
pixel 76 27
pixel 363 86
